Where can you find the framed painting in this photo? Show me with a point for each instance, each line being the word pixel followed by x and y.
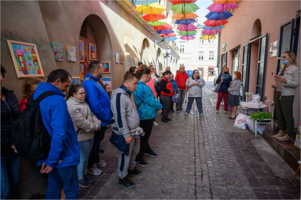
pixel 71 53
pixel 117 58
pixel 75 80
pixel 106 67
pixel 107 81
pixel 92 51
pixel 122 59
pixel 26 59
pixel 57 50
pixel 81 51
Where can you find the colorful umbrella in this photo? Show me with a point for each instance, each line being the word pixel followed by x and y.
pixel 208 37
pixel 210 31
pixel 214 23
pixel 225 1
pixel 189 27
pixel 218 15
pixel 169 35
pixel 153 8
pixel 187 37
pixel 185 21
pixel 222 7
pixel 143 2
pixel 170 38
pixel 187 32
pixel 217 27
pixel 184 8
pixel 178 16
pixel 156 23
pixel 174 2
pixel 153 18
pixel 163 27
pixel 166 32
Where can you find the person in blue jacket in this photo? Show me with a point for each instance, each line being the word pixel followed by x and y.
pixel 147 109
pixel 175 88
pixel 224 80
pixel 99 102
pixel 64 151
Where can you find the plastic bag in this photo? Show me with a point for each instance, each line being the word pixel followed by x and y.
pixel 175 97
pixel 255 98
pixel 240 121
pixel 260 128
pixel 250 123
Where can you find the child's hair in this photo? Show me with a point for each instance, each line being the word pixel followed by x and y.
pixel 140 72
pixel 27 83
pixel 132 69
pixel 73 89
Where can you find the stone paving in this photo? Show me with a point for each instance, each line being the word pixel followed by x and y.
pixel 199 157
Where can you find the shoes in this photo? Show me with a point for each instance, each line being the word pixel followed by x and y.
pixel 142 163
pixel 135 172
pixel 101 151
pixel 216 111
pixel 168 119
pixel 126 182
pixel 83 183
pixel 88 178
pixel 164 120
pixel 232 118
pixel 280 134
pixel 186 113
pixel 94 171
pixel 151 154
pixel 225 112
pixel 155 124
pixel 285 138
pixel 181 109
pixel 101 164
pixel 172 111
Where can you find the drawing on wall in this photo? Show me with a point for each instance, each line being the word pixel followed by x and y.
pixel 81 51
pixel 106 67
pixel 107 81
pixel 116 57
pixel 26 59
pixel 122 59
pixel 57 50
pixel 75 80
pixel 71 53
pixel 92 51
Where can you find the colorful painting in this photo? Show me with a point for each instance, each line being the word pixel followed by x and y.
pixel 84 69
pixel 107 81
pixel 122 59
pixel 92 51
pixel 75 80
pixel 26 59
pixel 81 51
pixel 106 67
pixel 57 50
pixel 117 57
pixel 71 53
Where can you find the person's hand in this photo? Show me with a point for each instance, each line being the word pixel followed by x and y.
pixel 14 148
pixel 128 140
pixel 275 85
pixel 160 111
pixel 45 169
pixel 98 128
pixel 283 80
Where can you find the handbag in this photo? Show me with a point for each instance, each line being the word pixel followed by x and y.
pixel 240 91
pixel 217 87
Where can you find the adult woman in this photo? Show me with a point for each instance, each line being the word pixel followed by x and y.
pixel 107 88
pixel 225 80
pixel 10 159
pixel 148 105
pixel 85 123
pixel 133 69
pixel 290 78
pixel 195 84
pixel 234 88
pixel 175 89
pixel 29 86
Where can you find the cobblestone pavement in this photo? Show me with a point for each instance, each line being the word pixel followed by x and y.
pixel 199 157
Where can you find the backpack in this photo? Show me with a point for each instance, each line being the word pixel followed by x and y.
pixel 29 134
pixel 158 88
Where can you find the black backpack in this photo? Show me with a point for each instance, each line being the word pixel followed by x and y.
pixel 29 134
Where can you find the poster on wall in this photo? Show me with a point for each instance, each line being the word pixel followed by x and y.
pixel 117 58
pixel 107 81
pixel 75 80
pixel 57 50
pixel 122 59
pixel 92 51
pixel 81 51
pixel 26 59
pixel 106 67
pixel 273 49
pixel 84 69
pixel 71 53
pixel 136 62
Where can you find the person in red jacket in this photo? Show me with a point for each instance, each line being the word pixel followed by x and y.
pixel 180 79
pixel 166 95
pixel 29 86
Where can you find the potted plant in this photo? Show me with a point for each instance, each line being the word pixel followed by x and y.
pixel 260 116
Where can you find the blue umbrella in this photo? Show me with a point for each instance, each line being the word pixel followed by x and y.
pixel 169 38
pixel 143 2
pixel 185 21
pixel 218 15
pixel 166 32
pixel 217 27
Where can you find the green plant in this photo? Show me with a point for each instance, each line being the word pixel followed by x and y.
pixel 260 116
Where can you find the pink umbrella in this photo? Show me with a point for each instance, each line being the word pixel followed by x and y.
pixel 222 7
pixel 187 37
pixel 210 31
pixel 189 27
pixel 214 23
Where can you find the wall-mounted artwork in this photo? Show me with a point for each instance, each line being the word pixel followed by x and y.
pixel 26 59
pixel 71 53
pixel 106 67
pixel 81 51
pixel 107 81
pixel 75 80
pixel 122 59
pixel 92 51
pixel 84 69
pixel 57 50
pixel 117 57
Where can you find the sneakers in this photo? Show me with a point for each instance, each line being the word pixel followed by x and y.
pixel 135 172
pixel 94 171
pixel 168 119
pixel 126 182
pixel 88 178
pixel 101 164
pixel 151 154
pixel 142 163
pixel 83 183
pixel 164 120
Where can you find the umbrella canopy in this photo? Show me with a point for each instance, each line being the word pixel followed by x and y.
pixel 208 37
pixel 169 35
pixel 153 8
pixel 225 1
pixel 189 27
pixel 153 17
pixel 217 27
pixel 166 32
pixel 184 8
pixel 178 16
pixel 218 15
pixel 187 37
pixel 214 23
pixel 170 38
pixel 174 2
pixel 222 7
pixel 143 2
pixel 156 23
pixel 163 27
pixel 187 32
pixel 210 31
pixel 185 21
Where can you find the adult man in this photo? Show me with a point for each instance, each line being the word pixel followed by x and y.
pixel 64 152
pixel 181 78
pixel 99 102
pixel 140 65
pixel 166 95
pixel 126 128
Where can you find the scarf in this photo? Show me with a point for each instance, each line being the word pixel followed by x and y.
pixel 225 77
pixel 125 89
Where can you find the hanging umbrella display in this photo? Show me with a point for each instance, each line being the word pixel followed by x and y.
pixel 143 2
pixel 218 15
pixel 170 38
pixel 153 8
pixel 222 7
pixel 166 32
pixel 225 1
pixel 189 27
pixel 174 2
pixel 156 23
pixel 217 27
pixel 184 8
pixel 187 37
pixel 178 16
pixel 169 35
pixel 187 32
pixel 210 31
pixel 208 37
pixel 185 21
pixel 214 23
pixel 163 27
pixel 153 17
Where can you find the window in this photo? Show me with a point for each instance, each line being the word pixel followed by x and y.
pixel 83 30
pixel 181 48
pixel 210 71
pixel 211 55
pixel 201 41
pixel 201 55
pixel 211 41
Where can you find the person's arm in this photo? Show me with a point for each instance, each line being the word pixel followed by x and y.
pixel 176 86
pixel 147 97
pixel 189 83
pixel 97 122
pixel 5 140
pixel 201 83
pixel 228 81
pixel 296 80
pixel 235 86
pixel 218 79
pixel 119 112
pixel 163 86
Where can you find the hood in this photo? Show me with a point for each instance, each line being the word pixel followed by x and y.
pixel 118 90
pixel 74 101
pixel 44 87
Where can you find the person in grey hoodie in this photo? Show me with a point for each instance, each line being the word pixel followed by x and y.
pixel 195 85
pixel 126 128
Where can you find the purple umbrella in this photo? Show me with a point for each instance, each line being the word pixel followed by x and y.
pixel 210 31
pixel 222 7
pixel 189 27
pixel 187 37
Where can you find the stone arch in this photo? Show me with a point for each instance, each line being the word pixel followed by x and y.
pixel 256 30
pixel 145 52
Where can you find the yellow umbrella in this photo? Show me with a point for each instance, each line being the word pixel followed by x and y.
pixel 208 37
pixel 153 8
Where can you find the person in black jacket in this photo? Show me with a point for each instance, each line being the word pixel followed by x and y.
pixel 10 160
pixel 166 95
pixel 224 79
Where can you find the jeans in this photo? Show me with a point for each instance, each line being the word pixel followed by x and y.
pixel 181 97
pixel 98 137
pixel 166 101
pixel 62 177
pixel 219 100
pixel 10 167
pixel 85 149
pixel 198 103
pixel 147 126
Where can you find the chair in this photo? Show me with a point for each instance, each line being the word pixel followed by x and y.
pixel 266 120
pixel 244 111
pixel 299 162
